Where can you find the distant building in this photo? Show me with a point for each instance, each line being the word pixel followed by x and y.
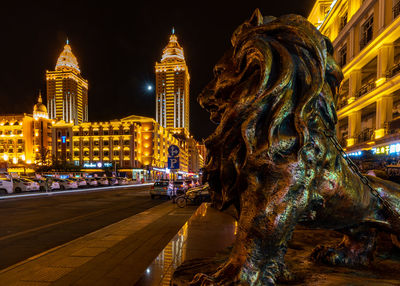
pixel 26 139
pixel 366 41
pixel 172 88
pixel 67 90
pixel 135 144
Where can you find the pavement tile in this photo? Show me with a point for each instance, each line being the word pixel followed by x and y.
pixel 114 237
pixel 89 251
pixel 102 243
pixel 47 274
pixel 71 261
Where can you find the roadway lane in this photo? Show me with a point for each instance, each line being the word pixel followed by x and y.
pixel 30 226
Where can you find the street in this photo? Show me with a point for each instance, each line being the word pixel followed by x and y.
pixel 30 226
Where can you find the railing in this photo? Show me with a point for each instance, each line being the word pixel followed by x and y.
pixel 365 88
pixel 365 135
pixel 396 10
pixel 393 70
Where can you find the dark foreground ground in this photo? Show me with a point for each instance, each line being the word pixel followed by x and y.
pixel 29 226
pixel 385 269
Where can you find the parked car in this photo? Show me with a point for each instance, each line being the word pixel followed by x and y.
pixel 6 185
pixel 81 182
pixel 113 181
pixel 24 185
pixel 92 182
pixel 160 189
pixel 177 188
pixel 189 184
pixel 194 196
pixel 102 181
pixel 123 181
pixel 47 184
pixel 66 184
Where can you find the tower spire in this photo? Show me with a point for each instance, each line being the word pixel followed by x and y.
pixel 40 97
pixel 67 41
pixel 173 30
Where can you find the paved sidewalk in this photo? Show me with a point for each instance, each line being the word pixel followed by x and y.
pixel 116 254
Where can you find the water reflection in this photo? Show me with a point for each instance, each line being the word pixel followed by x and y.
pixel 207 232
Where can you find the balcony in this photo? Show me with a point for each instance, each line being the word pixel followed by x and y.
pixel 393 70
pixel 365 135
pixel 365 88
pixel 396 10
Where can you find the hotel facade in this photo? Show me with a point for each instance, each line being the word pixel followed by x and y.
pixel 172 88
pixel 67 90
pixel 136 145
pixel 366 39
pixel 25 139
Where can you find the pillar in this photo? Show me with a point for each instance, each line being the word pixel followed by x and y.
pixel 384 110
pixel 354 85
pixel 381 20
pixel 354 127
pixel 385 62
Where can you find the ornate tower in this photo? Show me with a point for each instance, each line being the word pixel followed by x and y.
pixel 41 133
pixel 172 88
pixel 67 90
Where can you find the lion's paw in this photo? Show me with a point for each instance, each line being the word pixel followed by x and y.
pixel 338 256
pixel 201 279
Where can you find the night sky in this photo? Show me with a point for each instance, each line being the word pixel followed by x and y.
pixel 116 45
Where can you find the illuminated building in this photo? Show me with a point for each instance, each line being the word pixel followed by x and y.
pixel 201 148
pixel 172 88
pixel 134 144
pixel 366 38
pixel 42 134
pixel 67 90
pixel 25 139
pixel 195 159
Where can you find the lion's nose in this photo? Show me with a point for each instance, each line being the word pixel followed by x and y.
pixel 206 98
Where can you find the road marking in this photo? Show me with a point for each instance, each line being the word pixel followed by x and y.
pixel 71 191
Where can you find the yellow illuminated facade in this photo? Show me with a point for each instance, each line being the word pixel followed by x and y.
pixel 67 90
pixel 366 39
pixel 172 88
pixel 26 139
pixel 133 142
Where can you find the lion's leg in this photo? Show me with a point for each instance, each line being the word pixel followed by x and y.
pixel 356 249
pixel 269 213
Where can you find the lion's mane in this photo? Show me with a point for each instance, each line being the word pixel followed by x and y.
pixel 284 73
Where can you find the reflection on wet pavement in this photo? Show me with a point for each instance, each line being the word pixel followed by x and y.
pixel 204 234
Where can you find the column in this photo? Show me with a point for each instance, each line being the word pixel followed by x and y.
pixel 351 44
pixel 384 110
pixel 385 62
pixel 354 85
pixel 381 20
pixel 354 127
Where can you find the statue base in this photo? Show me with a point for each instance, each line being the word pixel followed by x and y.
pixel 385 270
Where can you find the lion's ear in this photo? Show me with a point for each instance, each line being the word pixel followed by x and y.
pixel 256 19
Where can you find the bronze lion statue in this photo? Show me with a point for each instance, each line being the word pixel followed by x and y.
pixel 273 97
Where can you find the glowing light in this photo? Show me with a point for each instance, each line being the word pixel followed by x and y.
pixel 149 87
pixel 5 157
pixel 67 60
pixel 15 160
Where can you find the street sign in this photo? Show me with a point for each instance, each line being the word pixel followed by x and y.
pixel 173 163
pixel 173 150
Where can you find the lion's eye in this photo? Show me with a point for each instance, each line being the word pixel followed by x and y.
pixel 218 71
